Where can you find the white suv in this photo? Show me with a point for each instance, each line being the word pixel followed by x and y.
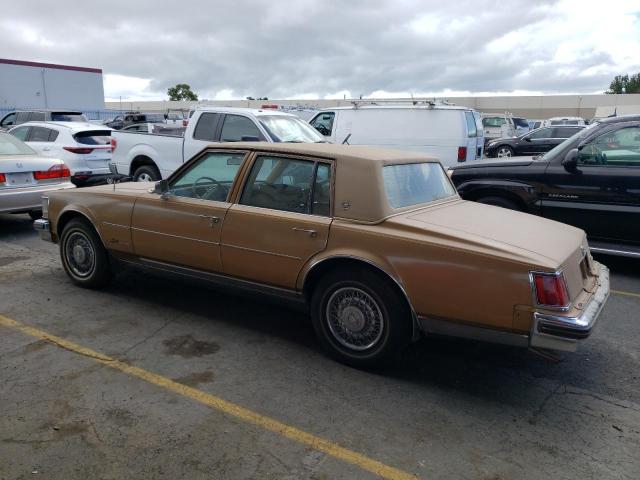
pixel 84 147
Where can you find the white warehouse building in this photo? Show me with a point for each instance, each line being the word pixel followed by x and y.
pixel 31 85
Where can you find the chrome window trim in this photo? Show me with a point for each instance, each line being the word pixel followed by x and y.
pixel 534 293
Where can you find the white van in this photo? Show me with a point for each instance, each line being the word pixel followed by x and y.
pixel 451 133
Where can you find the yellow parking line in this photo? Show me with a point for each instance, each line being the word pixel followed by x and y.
pixel 628 294
pixel 231 409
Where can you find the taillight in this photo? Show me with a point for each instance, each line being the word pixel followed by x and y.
pixel 462 154
pixel 78 149
pixel 57 171
pixel 185 122
pixel 3 178
pixel 550 289
pixel 114 143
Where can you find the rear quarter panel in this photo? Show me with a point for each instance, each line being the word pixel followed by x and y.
pixel 164 150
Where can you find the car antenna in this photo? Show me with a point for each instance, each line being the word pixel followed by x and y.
pixel 346 140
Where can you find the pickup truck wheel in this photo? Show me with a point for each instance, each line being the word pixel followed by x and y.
pixel 504 151
pixel 359 318
pixel 84 258
pixel 146 173
pixel 499 202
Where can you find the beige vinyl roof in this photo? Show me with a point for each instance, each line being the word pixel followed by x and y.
pixel 359 187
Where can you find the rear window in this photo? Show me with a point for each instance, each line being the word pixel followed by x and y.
pixel 155 117
pixel 415 183
pixel 68 117
pixel 93 137
pixel 10 145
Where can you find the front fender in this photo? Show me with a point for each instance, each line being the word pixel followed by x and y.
pixel 526 193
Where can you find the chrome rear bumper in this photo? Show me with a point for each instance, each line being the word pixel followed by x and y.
pixel 43 227
pixel 560 332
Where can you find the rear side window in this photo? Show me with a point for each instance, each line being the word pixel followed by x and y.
pixel 21 133
pixel 565 132
pixel 22 117
pixel 37 117
pixel 93 137
pixel 415 183
pixel 471 124
pixel 206 127
pixel 493 121
pixel 542 133
pixel 39 134
pixel 236 128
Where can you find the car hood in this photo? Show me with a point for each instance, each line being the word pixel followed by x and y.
pixel 503 162
pixel 496 231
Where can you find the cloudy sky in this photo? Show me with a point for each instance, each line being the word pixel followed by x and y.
pixel 326 49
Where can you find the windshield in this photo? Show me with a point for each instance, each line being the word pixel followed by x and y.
pixel 568 143
pixel 415 183
pixel 10 145
pixel 289 129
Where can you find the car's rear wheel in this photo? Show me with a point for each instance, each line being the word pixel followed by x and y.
pixel 359 317
pixel 84 258
pixel 504 151
pixel 499 202
pixel 146 173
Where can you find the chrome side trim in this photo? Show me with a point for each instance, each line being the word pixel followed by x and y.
pixel 217 279
pixel 175 236
pixel 440 326
pixel 620 253
pixel 117 225
pixel 261 251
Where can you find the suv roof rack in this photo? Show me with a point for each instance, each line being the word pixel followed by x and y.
pixel 430 103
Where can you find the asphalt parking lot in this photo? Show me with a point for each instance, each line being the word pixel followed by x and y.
pixel 152 378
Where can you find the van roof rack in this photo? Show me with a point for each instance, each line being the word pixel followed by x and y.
pixel 430 103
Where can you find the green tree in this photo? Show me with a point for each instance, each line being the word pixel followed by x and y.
pixel 625 84
pixel 181 91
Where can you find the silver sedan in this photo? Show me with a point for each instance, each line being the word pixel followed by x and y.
pixel 25 177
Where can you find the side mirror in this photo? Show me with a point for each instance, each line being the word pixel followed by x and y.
pixel 161 188
pixel 570 161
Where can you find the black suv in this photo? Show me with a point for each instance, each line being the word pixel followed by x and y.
pixel 531 143
pixel 591 180
pixel 22 116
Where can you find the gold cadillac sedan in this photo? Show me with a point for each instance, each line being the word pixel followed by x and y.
pixel 376 244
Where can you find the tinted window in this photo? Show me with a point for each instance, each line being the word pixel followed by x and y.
pixel 153 117
pixel 21 133
pixel 280 184
pixel 542 133
pixel 39 134
pixel 565 132
pixel 37 117
pixel 9 120
pixel 520 122
pixel 471 124
pixel 210 178
pixel 93 137
pixel 324 123
pixel 67 117
pixel 236 127
pixel 289 129
pixel 415 183
pixel 206 127
pixel 619 148
pixel 22 117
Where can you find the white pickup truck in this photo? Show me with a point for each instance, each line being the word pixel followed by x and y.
pixel 150 157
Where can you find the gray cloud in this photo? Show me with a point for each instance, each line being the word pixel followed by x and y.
pixel 281 49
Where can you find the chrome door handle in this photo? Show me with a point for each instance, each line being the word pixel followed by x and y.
pixel 46 149
pixel 312 233
pixel 212 219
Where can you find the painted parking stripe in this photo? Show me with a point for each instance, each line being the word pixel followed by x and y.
pixel 231 409
pixel 627 294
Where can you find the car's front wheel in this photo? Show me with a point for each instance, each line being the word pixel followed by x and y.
pixel 359 317
pixel 84 258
